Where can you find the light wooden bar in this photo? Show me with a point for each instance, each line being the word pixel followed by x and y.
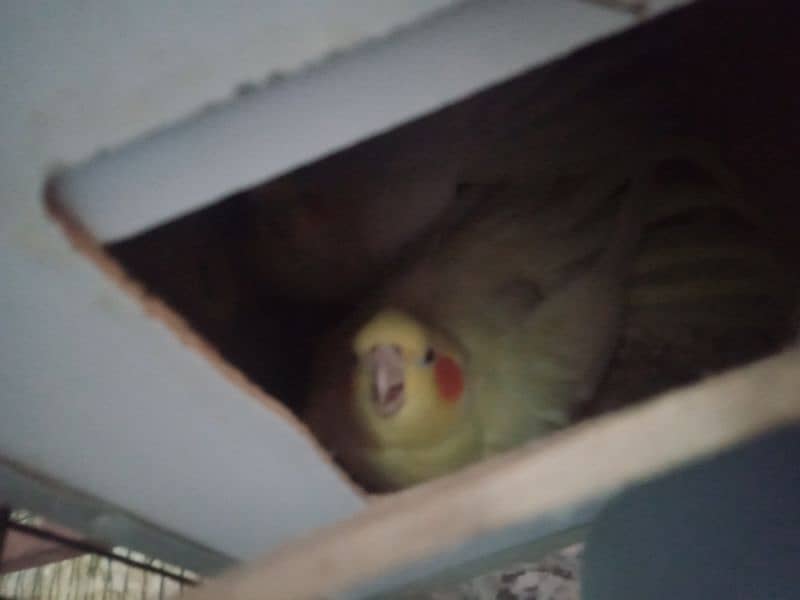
pixel 586 462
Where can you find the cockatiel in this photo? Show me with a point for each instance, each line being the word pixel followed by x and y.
pixel 500 330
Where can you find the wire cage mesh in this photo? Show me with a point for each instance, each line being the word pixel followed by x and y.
pixel 92 572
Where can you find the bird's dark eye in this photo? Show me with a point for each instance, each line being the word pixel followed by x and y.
pixel 429 357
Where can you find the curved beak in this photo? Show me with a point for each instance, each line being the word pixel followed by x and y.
pixel 387 376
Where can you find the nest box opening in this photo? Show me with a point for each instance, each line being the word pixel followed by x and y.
pixel 263 274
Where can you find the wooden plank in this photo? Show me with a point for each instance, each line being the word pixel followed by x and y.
pixel 585 462
pixel 336 103
pixel 529 552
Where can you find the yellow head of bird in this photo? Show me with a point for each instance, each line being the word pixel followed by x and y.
pixel 409 380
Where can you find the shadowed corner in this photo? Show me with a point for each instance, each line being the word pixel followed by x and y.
pixel 728 527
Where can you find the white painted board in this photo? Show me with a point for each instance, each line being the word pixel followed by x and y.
pixel 95 393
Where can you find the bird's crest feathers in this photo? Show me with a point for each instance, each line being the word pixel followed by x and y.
pixel 391 327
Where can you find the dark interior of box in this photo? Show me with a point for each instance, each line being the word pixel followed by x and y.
pixel 264 273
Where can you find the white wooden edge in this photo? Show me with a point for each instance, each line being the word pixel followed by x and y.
pixel 302 117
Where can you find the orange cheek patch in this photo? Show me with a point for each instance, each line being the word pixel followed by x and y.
pixel 449 378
